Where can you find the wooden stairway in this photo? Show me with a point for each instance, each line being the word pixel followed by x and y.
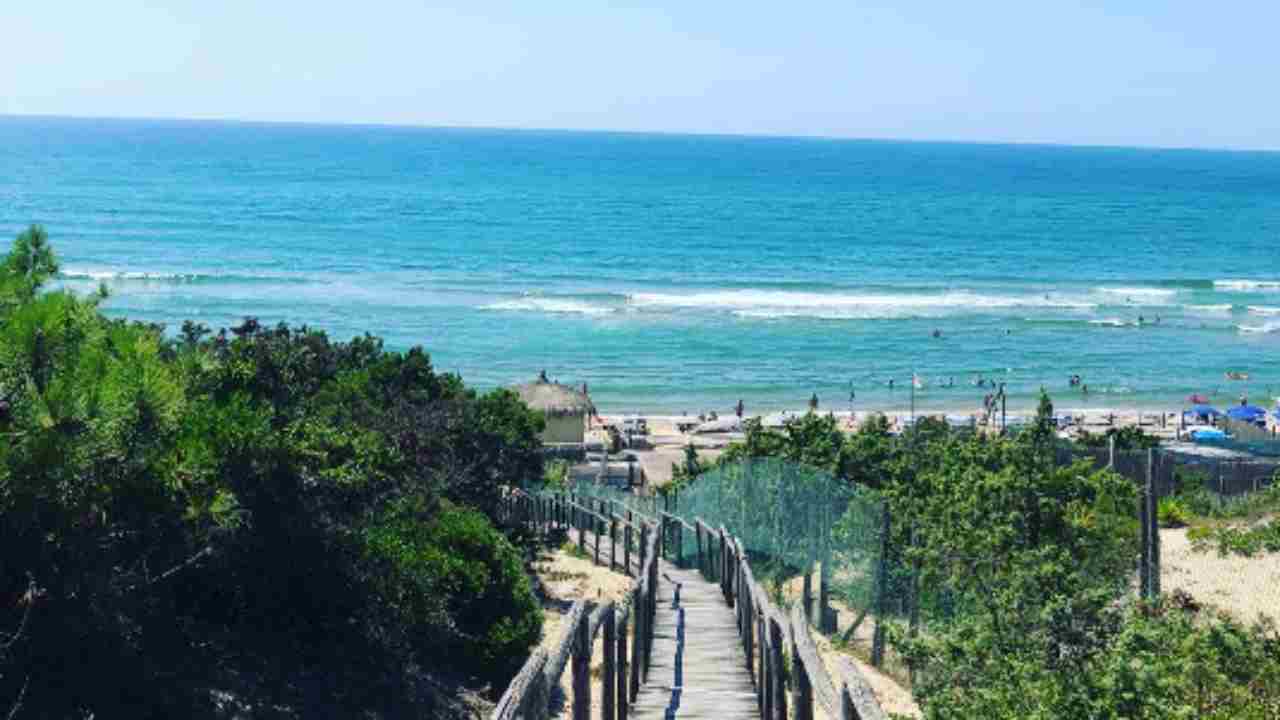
pixel 698 669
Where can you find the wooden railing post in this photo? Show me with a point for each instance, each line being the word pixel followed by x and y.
pixel 644 544
pixel 610 669
pixel 762 667
pixel 623 665
pixel 582 669
pixel 595 523
pixel 637 643
pixel 748 623
pixel 626 545
pixel 613 541
pixel 766 668
pixel 882 592
pixel 801 687
pixel 702 560
pixel 779 671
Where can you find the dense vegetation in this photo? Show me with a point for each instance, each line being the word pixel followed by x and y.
pixel 1026 570
pixel 260 522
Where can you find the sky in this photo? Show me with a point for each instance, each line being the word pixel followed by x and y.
pixel 1167 73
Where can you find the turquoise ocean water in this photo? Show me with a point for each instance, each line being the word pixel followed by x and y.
pixel 685 272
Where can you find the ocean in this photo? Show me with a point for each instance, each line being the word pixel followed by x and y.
pixel 681 273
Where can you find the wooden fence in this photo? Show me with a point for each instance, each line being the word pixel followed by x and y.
pixel 780 653
pixel 617 626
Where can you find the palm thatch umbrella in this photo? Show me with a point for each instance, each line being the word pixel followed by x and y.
pixel 554 399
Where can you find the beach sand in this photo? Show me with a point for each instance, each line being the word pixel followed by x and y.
pixel 566 579
pixel 1244 587
pixel 670 434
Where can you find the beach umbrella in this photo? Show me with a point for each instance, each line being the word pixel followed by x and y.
pixel 1246 413
pixel 1197 399
pixel 1203 411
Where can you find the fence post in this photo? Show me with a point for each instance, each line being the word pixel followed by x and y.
pixel 762 674
pixel 801 687
pixel 626 544
pixel 653 613
pixel 679 525
pixel 702 563
pixel 595 522
pixel 748 626
pixel 847 710
pixel 622 667
pixel 582 668
pixel 613 541
pixel 882 590
pixel 610 665
pixel 1153 495
pixel 724 566
pixel 637 641
pixel 766 669
pixel 779 670
pixel 644 544
pixel 1144 560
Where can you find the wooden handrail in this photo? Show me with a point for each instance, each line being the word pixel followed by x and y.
pixel 528 695
pixel 769 637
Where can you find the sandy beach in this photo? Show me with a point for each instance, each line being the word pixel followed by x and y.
pixel 669 434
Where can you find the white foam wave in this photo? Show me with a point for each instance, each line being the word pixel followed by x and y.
pixel 1264 328
pixel 766 303
pixel 1111 322
pixel 1247 285
pixel 166 276
pixel 1145 293
pixel 1225 307
pixel 1264 310
pixel 80 274
pixel 549 305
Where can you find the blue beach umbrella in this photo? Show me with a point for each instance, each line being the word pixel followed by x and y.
pixel 1246 413
pixel 1203 411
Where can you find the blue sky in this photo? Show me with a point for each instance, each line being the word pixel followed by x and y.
pixel 1141 72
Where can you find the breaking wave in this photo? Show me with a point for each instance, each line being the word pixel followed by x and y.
pixel 1265 328
pixel 1247 285
pixel 557 306
pixel 176 278
pixel 774 304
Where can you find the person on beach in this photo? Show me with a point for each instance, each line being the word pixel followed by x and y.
pixel 740 408
pixel 890 383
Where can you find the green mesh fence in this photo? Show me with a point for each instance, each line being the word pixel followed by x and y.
pixel 791 519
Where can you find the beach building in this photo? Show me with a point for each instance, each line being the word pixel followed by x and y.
pixel 567 409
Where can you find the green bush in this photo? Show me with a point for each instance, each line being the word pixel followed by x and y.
pixel 457 584
pixel 225 512
pixel 1173 513
pixel 1233 540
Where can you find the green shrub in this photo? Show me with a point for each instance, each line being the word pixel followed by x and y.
pixel 1233 540
pixel 457 584
pixel 1173 513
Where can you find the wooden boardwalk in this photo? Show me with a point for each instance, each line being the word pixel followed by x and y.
pixel 698 667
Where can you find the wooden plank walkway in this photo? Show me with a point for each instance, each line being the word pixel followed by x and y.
pixel 698 667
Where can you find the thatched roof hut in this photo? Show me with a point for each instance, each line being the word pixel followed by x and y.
pixel 554 399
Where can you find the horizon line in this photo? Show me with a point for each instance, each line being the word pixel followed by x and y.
pixel 609 131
